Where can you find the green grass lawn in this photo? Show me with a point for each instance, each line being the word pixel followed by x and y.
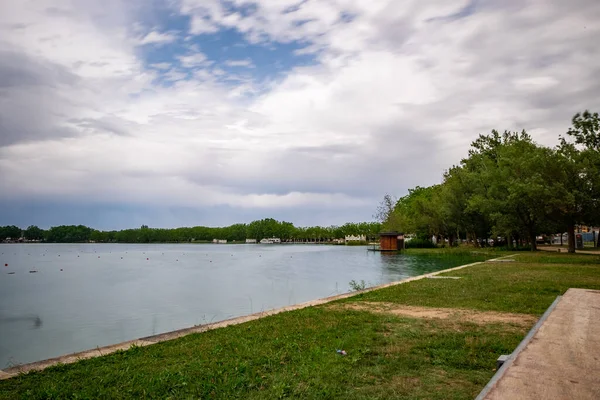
pixel 293 354
pixel 528 286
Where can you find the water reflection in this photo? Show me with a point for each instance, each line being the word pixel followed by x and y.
pixel 35 319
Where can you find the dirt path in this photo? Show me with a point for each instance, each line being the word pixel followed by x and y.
pixel 477 317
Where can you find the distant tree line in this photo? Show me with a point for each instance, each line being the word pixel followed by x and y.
pixel 509 187
pixel 260 229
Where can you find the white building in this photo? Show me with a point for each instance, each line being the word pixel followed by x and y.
pixel 270 240
pixel 357 238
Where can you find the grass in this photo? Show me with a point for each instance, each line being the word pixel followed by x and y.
pixel 293 355
pixel 515 287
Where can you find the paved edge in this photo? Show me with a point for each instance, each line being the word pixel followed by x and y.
pixel 149 340
pixel 500 373
pixel 560 250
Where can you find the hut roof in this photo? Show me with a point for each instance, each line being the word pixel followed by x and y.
pixel 391 233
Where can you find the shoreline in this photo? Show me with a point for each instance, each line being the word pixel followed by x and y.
pixel 149 340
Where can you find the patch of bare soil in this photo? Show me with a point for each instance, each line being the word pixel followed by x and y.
pixel 455 314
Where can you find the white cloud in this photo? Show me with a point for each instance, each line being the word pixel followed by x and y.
pixel 193 60
pixel 394 97
pixel 163 65
pixel 240 63
pixel 175 75
pixel 159 38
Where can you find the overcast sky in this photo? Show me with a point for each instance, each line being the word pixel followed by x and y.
pixel 117 113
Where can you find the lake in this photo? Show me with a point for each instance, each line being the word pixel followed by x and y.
pixel 88 295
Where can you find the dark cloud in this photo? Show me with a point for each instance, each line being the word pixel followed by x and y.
pixel 30 98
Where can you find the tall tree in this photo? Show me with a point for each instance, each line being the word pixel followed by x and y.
pixel 581 163
pixel 516 183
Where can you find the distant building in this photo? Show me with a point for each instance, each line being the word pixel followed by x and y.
pixel 270 240
pixel 250 240
pixel 220 241
pixel 357 238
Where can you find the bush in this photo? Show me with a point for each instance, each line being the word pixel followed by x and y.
pixel 356 243
pixel 357 286
pixel 419 244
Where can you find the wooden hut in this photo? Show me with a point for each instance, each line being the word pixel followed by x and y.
pixel 391 241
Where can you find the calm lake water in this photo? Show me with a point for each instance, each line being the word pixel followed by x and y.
pixel 88 295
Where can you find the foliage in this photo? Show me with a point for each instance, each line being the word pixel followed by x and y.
pixel 33 233
pixel 10 231
pixel 511 188
pixel 357 286
pixel 585 130
pixel 385 209
pixel 68 234
pixel 260 229
pixel 418 243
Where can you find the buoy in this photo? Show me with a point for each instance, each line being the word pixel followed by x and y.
pixel 98 256
pixel 176 260
pixel 147 258
pixel 6 265
pixel 121 258
pixel 61 269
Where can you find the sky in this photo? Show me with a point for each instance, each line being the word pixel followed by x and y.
pixel 118 113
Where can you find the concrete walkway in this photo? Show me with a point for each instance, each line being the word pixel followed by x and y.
pixel 562 359
pixel 565 250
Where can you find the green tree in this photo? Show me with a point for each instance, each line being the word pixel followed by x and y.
pixel 10 231
pixel 580 161
pixel 585 130
pixel 33 233
pixel 519 182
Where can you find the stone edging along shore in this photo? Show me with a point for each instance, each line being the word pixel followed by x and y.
pixel 146 341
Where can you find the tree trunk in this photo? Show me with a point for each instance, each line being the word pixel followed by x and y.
pixel 571 237
pixel 533 241
pixel 475 241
